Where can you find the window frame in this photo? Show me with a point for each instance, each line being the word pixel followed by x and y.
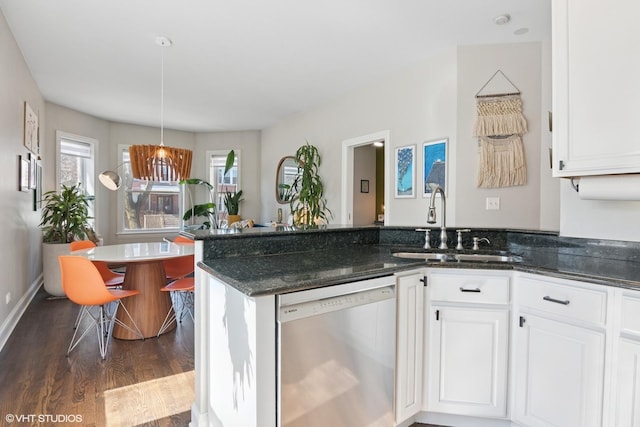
pixel 120 205
pixel 212 179
pixel 88 186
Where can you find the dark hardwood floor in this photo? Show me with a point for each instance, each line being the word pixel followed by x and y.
pixel 145 383
pixel 138 381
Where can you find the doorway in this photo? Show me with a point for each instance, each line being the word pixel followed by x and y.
pixel 365 179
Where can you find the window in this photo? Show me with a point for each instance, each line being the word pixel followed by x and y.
pixel 76 157
pixel 146 206
pixel 223 183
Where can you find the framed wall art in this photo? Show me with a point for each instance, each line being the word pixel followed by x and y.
pixel 31 140
pixel 435 165
pixel 364 185
pixel 37 193
pixel 405 172
pixel 23 173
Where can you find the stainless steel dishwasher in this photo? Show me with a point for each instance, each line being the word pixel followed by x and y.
pixel 336 356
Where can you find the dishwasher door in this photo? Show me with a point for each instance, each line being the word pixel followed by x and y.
pixel 337 355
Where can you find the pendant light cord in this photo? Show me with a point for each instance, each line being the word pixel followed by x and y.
pixel 162 97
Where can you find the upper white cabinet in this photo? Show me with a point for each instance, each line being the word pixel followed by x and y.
pixel 596 93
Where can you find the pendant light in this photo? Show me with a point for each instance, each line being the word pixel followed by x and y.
pixel 154 162
pixel 159 162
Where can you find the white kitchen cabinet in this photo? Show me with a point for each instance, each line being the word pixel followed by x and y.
pixel 468 343
pixel 595 94
pixel 409 344
pixel 627 395
pixel 559 353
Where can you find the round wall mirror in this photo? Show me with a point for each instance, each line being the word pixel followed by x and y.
pixel 285 176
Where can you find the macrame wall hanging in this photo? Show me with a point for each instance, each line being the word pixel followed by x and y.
pixel 499 127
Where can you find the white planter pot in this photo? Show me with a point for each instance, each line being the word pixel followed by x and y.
pixel 51 267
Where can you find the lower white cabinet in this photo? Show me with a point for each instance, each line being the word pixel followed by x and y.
pixel 409 344
pixel 559 374
pixel 468 344
pixel 560 353
pixel 627 391
pixel 468 351
pixel 627 403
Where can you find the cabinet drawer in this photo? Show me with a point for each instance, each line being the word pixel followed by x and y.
pixel 469 288
pixel 630 313
pixel 577 303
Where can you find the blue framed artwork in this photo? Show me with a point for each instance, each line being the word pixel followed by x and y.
pixel 405 171
pixel 435 165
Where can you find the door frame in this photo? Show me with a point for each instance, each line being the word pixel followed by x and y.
pixel 348 147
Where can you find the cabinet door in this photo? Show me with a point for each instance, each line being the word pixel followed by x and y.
pixel 627 402
pixel 468 351
pixel 409 344
pixel 595 99
pixel 559 371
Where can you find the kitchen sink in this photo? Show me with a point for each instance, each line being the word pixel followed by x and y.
pixel 485 258
pixel 451 257
pixel 427 256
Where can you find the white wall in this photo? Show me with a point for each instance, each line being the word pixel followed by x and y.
pixel 520 206
pixel 77 123
pixel 21 260
pixel 433 99
pixel 416 104
pixel 248 143
pixel 600 219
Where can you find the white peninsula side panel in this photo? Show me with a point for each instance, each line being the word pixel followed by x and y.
pixel 238 347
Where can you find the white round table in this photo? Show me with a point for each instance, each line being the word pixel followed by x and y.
pixel 145 272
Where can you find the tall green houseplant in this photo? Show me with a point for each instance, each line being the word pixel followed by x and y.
pixel 65 216
pixel 310 206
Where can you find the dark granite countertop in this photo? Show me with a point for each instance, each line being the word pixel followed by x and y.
pixel 289 272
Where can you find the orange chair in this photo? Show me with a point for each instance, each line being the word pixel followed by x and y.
pixel 182 293
pixel 110 277
pixel 177 268
pixel 82 283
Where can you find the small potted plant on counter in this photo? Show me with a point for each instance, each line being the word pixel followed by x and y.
pixel 64 219
pixel 232 201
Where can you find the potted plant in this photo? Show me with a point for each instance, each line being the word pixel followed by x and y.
pixel 208 209
pixel 232 201
pixel 308 206
pixel 65 218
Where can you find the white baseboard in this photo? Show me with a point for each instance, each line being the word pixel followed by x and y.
pixel 460 420
pixel 10 323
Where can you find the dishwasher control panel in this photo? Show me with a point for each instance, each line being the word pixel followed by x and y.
pixel 334 303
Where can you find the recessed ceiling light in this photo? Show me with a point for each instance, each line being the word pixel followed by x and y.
pixel 521 31
pixel 502 19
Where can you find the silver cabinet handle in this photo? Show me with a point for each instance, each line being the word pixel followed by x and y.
pixel 557 301
pixel 469 290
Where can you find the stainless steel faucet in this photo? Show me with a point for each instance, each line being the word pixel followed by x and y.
pixel 431 216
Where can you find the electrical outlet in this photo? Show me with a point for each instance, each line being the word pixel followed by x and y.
pixel 493 203
pixel 8 297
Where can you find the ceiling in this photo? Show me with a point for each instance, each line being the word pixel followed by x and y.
pixel 241 64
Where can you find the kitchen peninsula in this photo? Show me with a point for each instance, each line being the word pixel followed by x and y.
pixel 241 273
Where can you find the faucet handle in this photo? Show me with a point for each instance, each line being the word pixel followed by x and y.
pixel 427 244
pixel 459 247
